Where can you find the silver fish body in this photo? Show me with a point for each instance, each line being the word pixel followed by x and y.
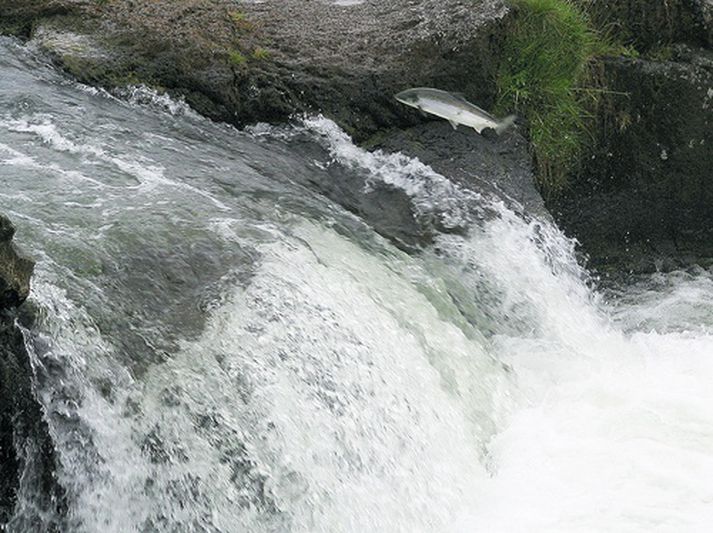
pixel 454 108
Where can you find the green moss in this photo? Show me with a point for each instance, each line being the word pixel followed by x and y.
pixel 237 58
pixel 17 28
pixel 260 53
pixel 660 53
pixel 238 16
pixel 240 20
pixel 545 76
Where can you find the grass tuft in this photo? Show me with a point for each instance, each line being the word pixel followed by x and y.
pixel 260 53
pixel 237 58
pixel 545 77
pixel 240 20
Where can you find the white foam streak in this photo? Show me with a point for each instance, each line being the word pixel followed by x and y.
pixel 147 177
pixel 429 190
pixel 146 96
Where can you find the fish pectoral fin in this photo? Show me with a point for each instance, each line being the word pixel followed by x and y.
pixel 423 113
pixel 454 124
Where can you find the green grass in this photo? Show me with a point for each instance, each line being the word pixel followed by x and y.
pixel 237 58
pixel 240 20
pixel 545 77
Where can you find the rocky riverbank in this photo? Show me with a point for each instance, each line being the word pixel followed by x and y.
pixel 27 459
pixel 246 62
pixel 641 197
pixel 643 200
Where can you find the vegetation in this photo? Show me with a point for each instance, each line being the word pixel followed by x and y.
pixel 237 58
pixel 660 53
pixel 260 53
pixel 240 20
pixel 546 77
pixel 240 53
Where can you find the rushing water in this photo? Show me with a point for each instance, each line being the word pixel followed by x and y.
pixel 220 347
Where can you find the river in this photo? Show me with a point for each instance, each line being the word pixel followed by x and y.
pixel 222 347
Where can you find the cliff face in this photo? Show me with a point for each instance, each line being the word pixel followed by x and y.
pixel 643 198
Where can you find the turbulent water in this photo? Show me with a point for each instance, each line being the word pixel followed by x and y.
pixel 221 347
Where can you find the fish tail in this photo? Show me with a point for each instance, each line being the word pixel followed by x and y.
pixel 505 123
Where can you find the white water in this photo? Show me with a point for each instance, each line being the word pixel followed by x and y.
pixel 341 385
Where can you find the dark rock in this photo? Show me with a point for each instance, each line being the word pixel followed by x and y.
pixel 648 24
pixel 250 62
pixel 644 199
pixel 15 269
pixel 17 17
pixel 348 62
pixel 499 167
pixel 27 461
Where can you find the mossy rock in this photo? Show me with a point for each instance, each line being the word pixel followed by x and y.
pixel 644 195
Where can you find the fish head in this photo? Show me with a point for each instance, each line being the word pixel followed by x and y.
pixel 409 97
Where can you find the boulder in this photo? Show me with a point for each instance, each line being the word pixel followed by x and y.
pixel 27 457
pixel 643 199
pixel 245 62
pixel 28 462
pixel 15 269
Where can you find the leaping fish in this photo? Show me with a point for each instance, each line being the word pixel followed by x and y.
pixel 454 108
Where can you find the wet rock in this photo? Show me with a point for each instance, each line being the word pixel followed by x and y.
pixel 15 269
pixel 497 167
pixel 244 62
pixel 17 17
pixel 27 461
pixel 641 199
pixel 348 61
pixel 644 199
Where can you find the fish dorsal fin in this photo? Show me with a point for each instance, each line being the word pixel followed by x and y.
pixel 460 96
